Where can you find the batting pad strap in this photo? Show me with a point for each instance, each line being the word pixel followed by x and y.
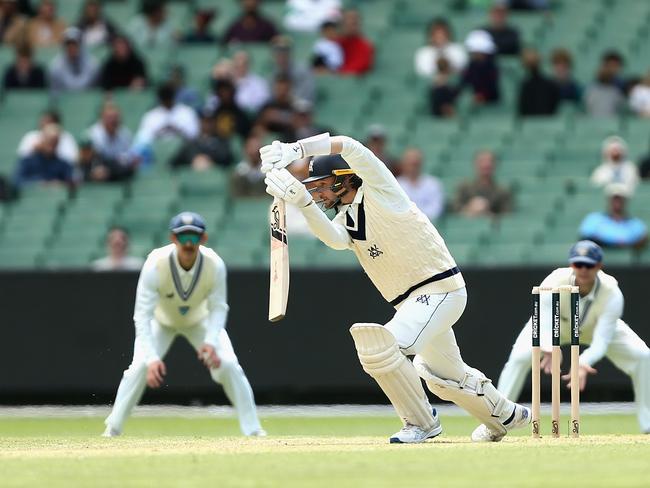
pixel 318 145
pixel 381 358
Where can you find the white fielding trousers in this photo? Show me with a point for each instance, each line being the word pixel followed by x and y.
pixel 627 351
pixel 229 374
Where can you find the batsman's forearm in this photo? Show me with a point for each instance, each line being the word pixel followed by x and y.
pixel 331 235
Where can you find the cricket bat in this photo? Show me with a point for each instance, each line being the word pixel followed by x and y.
pixel 279 264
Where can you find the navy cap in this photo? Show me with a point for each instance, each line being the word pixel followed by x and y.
pixel 187 222
pixel 324 166
pixel 585 252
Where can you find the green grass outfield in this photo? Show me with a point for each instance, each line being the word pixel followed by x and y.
pixel 313 452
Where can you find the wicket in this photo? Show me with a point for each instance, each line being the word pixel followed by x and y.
pixel 556 293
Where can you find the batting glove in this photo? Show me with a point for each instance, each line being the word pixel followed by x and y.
pixel 281 184
pixel 278 155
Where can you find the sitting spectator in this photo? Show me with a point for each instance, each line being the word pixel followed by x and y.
pixel 277 115
pixel 185 94
pixel 302 79
pixel 538 95
pixel 43 165
pixel 93 168
pixel 616 168
pixel 45 30
pixel 327 54
pixel 640 97
pixel 302 123
pixel 424 190
pixel 96 29
pixel 506 37
pixel 615 228
pixel 201 33
pixel 167 119
pixel 123 68
pixel 440 46
pixel 24 74
pixel 73 69
pixel 358 52
pixel 570 90
pixel 252 90
pixel 110 139
pixel 251 26
pixel 309 15
pixel 442 94
pixel 482 72
pixel 13 24
pixel 377 142
pixel 482 196
pixel 227 117
pixel 151 29
pixel 66 149
pixel 118 259
pixel 603 98
pixel 247 179
pixel 613 62
pixel 206 151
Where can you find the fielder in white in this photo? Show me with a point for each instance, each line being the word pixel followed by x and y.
pixel 601 308
pixel 408 262
pixel 182 291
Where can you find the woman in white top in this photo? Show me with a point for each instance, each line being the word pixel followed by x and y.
pixel 440 46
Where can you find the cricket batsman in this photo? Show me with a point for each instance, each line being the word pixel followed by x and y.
pixel 601 308
pixel 407 260
pixel 182 291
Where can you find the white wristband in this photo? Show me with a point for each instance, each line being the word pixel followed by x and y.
pixel 318 145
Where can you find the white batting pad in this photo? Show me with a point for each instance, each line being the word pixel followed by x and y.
pixel 475 393
pixel 381 358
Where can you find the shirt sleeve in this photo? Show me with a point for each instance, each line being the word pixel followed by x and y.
pixel 146 299
pixel 217 304
pixel 604 330
pixel 332 232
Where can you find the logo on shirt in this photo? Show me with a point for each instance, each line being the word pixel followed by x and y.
pixel 374 251
pixel 183 310
pixel 424 299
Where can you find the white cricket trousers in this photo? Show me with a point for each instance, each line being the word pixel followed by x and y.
pixel 229 374
pixel 627 351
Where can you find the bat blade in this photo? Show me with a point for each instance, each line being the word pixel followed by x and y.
pixel 279 263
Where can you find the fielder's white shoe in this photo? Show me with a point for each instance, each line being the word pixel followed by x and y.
pixel 258 433
pixel 520 418
pixel 111 432
pixel 412 434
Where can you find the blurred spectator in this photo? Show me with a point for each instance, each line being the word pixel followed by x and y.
pixel 13 24
pixel 570 90
pixel 302 79
pixel 93 168
pixel 227 117
pixel 185 94
pixel 529 4
pixel 66 149
pixel 613 62
pixel 247 179
pixel 358 51
pixel 167 119
pixel 440 47
pixel 302 123
pixel 506 37
pixel 616 167
pixel 327 54
pixel 252 90
pixel 151 29
pixel 483 196
pixel 43 165
pixel 201 33
pixel 277 115
pixel 73 69
pixel 482 72
pixel 110 139
pixel 644 167
pixel 45 30
pixel 377 142
pixel 96 29
pixel 424 190
pixel 118 259
pixel 603 98
pixel 24 73
pixel 615 228
pixel 309 15
pixel 204 152
pixel 640 97
pixel 123 68
pixel 251 26
pixel 442 94
pixel 538 95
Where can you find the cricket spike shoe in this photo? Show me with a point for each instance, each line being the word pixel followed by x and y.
pixel 412 434
pixel 520 418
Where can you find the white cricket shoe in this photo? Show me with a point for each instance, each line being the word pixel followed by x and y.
pixel 520 418
pixel 412 434
pixel 111 432
pixel 258 433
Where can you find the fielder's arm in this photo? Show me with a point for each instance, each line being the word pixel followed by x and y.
pixel 604 330
pixel 217 305
pixel 146 299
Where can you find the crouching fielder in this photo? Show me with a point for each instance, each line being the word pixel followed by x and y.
pixel 182 291
pixel 408 262
pixel 601 308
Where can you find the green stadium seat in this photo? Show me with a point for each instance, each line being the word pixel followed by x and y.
pixel 18 258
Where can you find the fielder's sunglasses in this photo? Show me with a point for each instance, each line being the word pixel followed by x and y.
pixel 584 265
pixel 186 237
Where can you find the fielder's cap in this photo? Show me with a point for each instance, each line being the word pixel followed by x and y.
pixel 618 190
pixel 324 166
pixel 480 41
pixel 187 222
pixel 585 252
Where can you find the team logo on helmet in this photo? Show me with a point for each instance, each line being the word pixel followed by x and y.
pixel 187 219
pixel 311 166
